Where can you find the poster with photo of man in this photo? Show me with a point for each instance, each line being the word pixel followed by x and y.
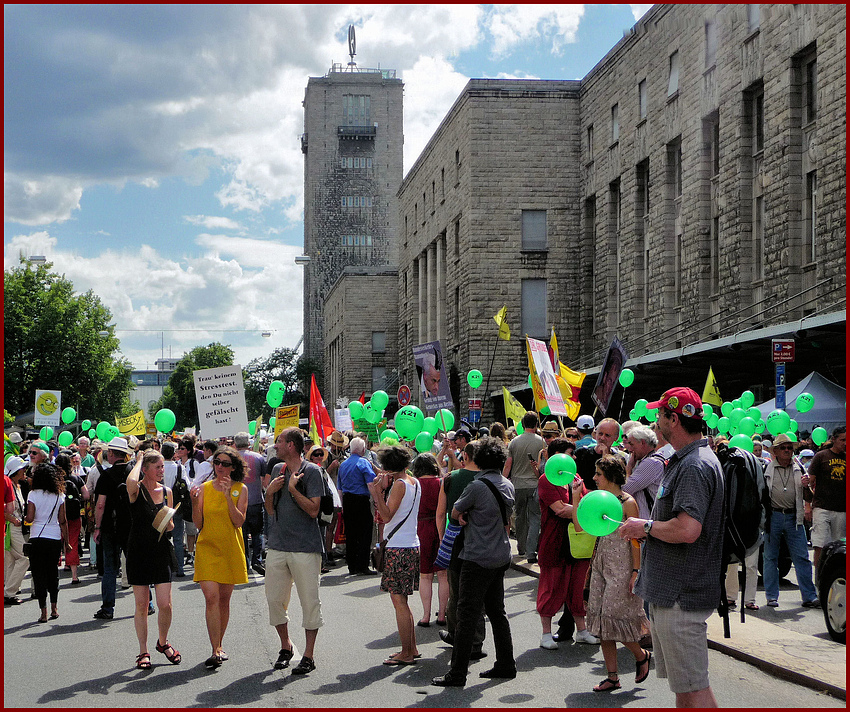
pixel 431 373
pixel 612 366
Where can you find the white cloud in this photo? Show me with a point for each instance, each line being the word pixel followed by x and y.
pixel 41 201
pixel 238 288
pixel 638 11
pixel 212 222
pixel 512 25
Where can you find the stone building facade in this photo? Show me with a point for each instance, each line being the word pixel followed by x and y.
pixel 361 333
pixel 688 196
pixel 352 145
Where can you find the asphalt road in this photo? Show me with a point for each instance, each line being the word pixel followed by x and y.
pixel 77 661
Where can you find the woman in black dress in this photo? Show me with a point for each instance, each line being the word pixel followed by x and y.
pixel 150 556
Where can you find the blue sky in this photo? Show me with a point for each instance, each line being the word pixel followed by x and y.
pixel 151 152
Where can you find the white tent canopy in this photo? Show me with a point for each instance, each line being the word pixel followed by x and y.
pixel 829 411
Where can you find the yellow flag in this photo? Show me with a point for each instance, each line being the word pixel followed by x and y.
pixel 132 424
pixel 513 408
pixel 573 378
pixel 711 393
pixel 501 320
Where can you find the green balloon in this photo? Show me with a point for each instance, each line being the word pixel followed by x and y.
pixel 627 377
pixel 633 415
pixel 92 433
pixel 379 400
pixel 474 378
pixel 651 414
pixel 530 384
pixel 408 422
pixel 737 403
pixel 164 420
pixel 792 436
pixel 252 427
pixel 102 430
pixel 65 438
pixel 707 410
pixel 545 410
pixel 519 429
pixel 712 420
pixel 392 434
pixel 819 436
pixel 429 425
pixel 85 425
pixel 747 426
pixel 723 424
pixel 560 469
pixel 113 432
pixel 272 422
pixel 424 442
pixel 737 415
pixel 69 415
pixel 45 433
pixel 742 441
pixel 754 413
pixel 371 414
pixel 792 425
pixel 445 419
pixel 747 399
pixel 356 410
pixel 277 386
pixel 805 402
pixel 274 398
pixel 778 422
pixel 760 426
pixel 725 408
pixel 599 513
pixel 640 406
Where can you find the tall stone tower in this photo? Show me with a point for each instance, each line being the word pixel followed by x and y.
pixel 352 145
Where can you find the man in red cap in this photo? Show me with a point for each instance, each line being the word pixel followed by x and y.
pixel 680 564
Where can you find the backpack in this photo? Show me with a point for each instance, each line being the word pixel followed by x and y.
pixel 182 496
pixel 746 507
pixel 73 500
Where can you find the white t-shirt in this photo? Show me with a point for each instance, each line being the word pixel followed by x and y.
pixel 203 472
pixel 406 537
pixel 46 515
pixel 170 474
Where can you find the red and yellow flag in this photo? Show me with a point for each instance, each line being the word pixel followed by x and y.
pixel 320 422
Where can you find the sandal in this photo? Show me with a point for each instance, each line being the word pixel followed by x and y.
pixel 639 664
pixel 143 661
pixel 306 665
pixel 174 658
pixel 212 662
pixel 751 606
pixel 607 685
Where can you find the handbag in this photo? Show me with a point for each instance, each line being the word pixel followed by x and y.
pixel 7 545
pixel 447 543
pixel 379 551
pixel 582 544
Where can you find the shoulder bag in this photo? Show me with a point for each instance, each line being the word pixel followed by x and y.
pixel 379 552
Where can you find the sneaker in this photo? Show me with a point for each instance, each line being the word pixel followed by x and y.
pixel 547 642
pixel 815 603
pixel 104 615
pixel 151 609
pixel 773 604
pixel 532 559
pixel 582 636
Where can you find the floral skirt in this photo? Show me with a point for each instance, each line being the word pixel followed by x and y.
pixel 401 571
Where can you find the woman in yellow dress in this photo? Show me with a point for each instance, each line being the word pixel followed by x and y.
pixel 219 507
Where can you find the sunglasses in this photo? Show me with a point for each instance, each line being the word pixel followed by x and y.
pixel 784 447
pixel 222 463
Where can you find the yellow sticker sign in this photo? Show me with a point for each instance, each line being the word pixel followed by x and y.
pixel 132 425
pixel 47 405
pixel 286 417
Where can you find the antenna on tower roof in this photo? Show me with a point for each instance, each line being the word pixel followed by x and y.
pixel 352 47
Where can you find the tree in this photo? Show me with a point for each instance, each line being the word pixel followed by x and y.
pixel 179 392
pixel 52 341
pixel 282 365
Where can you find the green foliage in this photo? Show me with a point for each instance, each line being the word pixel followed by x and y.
pixel 51 341
pixel 179 393
pixel 8 418
pixel 284 365
pixel 128 408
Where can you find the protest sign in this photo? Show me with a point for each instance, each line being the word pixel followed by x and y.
pixel 220 395
pixel 543 378
pixel 431 372
pixel 285 417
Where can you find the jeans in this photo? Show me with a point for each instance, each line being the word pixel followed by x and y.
pixel 178 541
pixel 785 525
pixel 357 516
pixel 253 528
pixel 481 589
pixel 111 548
pixel 527 521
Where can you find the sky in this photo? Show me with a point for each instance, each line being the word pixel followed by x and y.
pixel 152 152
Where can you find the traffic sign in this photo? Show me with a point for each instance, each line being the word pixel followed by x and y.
pixel 782 350
pixel 404 395
pixel 780 386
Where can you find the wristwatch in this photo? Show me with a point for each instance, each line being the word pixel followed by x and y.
pixel 647 525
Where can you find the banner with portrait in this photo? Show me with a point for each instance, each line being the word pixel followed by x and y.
pixel 431 373
pixel 612 366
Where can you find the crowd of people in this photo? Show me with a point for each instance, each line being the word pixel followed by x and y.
pixel 289 509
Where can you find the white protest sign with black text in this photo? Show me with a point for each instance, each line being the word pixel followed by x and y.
pixel 220 395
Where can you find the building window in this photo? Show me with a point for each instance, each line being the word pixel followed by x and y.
pixel 433 195
pixel 356 201
pixel 443 183
pixel 355 162
pixel 673 78
pixel 753 17
pixel 356 110
pixel 675 149
pixel 758 239
pixel 457 166
pixel 715 149
pixel 757 117
pixel 615 123
pixel 810 90
pixel 534 230
pixel 710 43
pixel 534 316
pixel 810 218
pixel 590 252
pixel 379 378
pixel 615 222
pixel 642 100
pixel 379 342
pixel 356 240
pixel 674 178
pixel 642 206
pixel 714 239
pixel 457 238
pixel 590 142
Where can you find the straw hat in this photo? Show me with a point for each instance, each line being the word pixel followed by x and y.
pixel 337 439
pixel 162 518
pixel 319 449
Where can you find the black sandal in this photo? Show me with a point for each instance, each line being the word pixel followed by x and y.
pixel 306 665
pixel 611 685
pixel 639 664
pixel 174 658
pixel 143 661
